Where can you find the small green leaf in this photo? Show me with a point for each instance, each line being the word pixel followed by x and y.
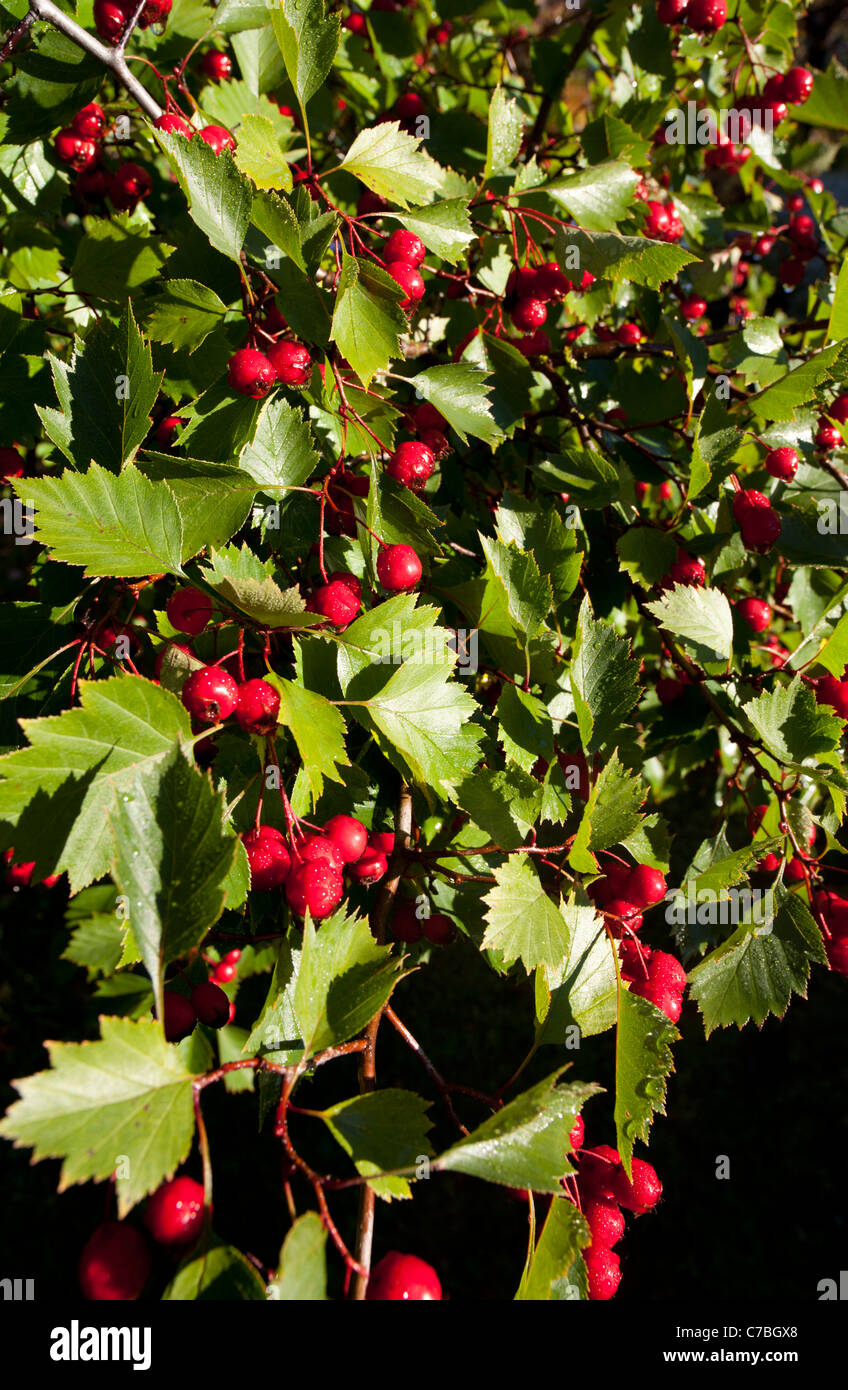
pixel 702 618
pixel 643 1061
pixel 524 923
pixel 383 1131
pixel 260 156
pixel 302 1273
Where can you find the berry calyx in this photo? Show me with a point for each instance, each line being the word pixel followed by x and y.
pixel 258 706
pixel 210 1004
pixel 115 1263
pixel 405 246
pixel 782 463
pixel 210 694
pixel 370 867
pixel 398 568
pixel 174 1214
pixel 218 138
pixel 178 1017
pixel 316 888
pixel 411 464
pixel 268 858
pixel 189 610
pixel 348 835
pixel 398 1277
pixel 756 613
pixel 291 362
pixel 687 570
pixel 251 373
pixel 409 280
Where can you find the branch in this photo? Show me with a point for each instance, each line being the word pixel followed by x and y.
pixel 111 58
pixel 17 34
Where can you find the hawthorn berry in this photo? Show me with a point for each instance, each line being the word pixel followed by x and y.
pixel 178 1017
pixel 336 602
pixel 382 840
pixel 833 692
pixel 411 464
pixel 89 121
pixel 657 221
pixel 166 430
pixel 604 1272
pixel 791 273
pixel 834 912
pixel 671 11
pixel 409 280
pixel 605 1220
pixel 577 1134
pixel 626 917
pixel 528 314
pixel 210 1004
pixel 409 106
pixel 316 887
pixel 348 835
pixel 550 282
pixel 291 362
pixel 315 847
pixel 437 442
pixel 189 610
pixel 154 12
pixel 398 568
pixel 174 124
pixel 110 18
pixel 644 886
pixel 224 973
pixel 642 1192
pixel 217 66
pixel 827 437
pixel 687 570
pixel 398 1277
pixel 758 521
pixel 174 1214
pixel 438 928
pixel 629 335
pixel 370 867
pixel 839 409
pixel 129 185
pixel 355 23
pixel 258 706
pixel 782 463
pixel 756 613
pixel 405 246
pixel 706 16
pixel 218 138
pixel 210 694
pixel 797 86
pixel 251 373
pixel 693 308
pixel 269 861
pixel 73 149
pixel 406 926
pixel 115 1263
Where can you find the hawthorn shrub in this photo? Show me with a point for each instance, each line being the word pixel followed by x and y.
pixel 422 446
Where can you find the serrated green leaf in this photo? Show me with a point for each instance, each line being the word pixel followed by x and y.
pixel 366 318
pixel 783 400
pixel 184 314
pixel 554 1271
pixel 604 679
pixel 318 730
pixel 219 195
pixel 503 133
pixel 114 258
pixel 646 554
pixel 612 257
pixel 444 227
pixel 260 156
pixel 308 41
pixel 523 922
pixel 302 1272
pixel 792 725
pixel 597 198
pixel 581 989
pixel 389 162
pixel 460 393
pixel 701 618
pixel 218 1272
pixel 382 1131
pixel 343 979
pixel 643 1062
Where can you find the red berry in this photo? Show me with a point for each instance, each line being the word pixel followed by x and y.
pixel 528 314
pixel 791 273
pixel 370 866
pixel 524 283
pixel 383 840
pixel 154 12
pixel 405 246
pixel 319 847
pixel 643 1192
pixel 756 612
pixel 411 464
pixel 409 106
pixel 166 430
pixel 224 973
pixel 629 335
pixel 605 1222
pixel 258 706
pixel 355 23
pixel 406 925
pixel 797 86
pixel 189 610
pixel 764 245
pixel 758 521
pixel 669 690
pixel 174 124
pixel 250 373
pixel 694 308
pixel 403 1277
pixel 839 410
pixel 210 694
pixel 625 916
pixel 218 138
pixel 89 121
pixel 218 67
pixel 827 437
pixel 18 875
pixel 687 570
pixel 336 602
pixel 782 463
pixel 110 18
pixel 72 149
pixel 174 1214
pixel 671 11
pixel 666 970
pixel 129 185
pixel 550 282
pixel 438 928
pixel 604 1272
pixel 645 886
pixel 179 1017
pixel 706 16
pixel 115 1263
pixel 316 887
pixel 269 863
pixel 409 280
pixel 291 362
pixel 348 835
pixel 210 1004
pixel 577 1134
pixel 830 691
pixel 398 568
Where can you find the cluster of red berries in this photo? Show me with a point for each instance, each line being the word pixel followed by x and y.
pixel 623 893
pixel 662 220
pixel 207 1003
pixel 312 866
pixel 20 875
pixel 833 911
pixel 759 523
pixel 704 16
pixel 116 1261
pixel 111 17
pixel 80 146
pixel 254 373
pixel 685 570
pixel 529 290
pixel 403 253
pixel 408 927
pixel 604 1188
pixel 827 435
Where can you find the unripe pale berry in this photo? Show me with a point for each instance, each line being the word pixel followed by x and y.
pixel 210 694
pixel 179 1016
pixel 291 362
pixel 258 707
pixel 398 568
pixel 411 464
pixel 370 867
pixel 405 246
pixel 315 887
pixel 115 1263
pixel 336 602
pixel 174 1214
pixel 404 1278
pixel 189 610
pixel 210 1004
pixel 348 835
pixel 250 373
pixel 218 138
pixel 756 613
pixel 782 463
pixel 409 280
pixel 269 862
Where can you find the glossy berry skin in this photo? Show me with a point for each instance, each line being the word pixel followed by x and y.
pixel 218 138
pixel 528 314
pixel 370 867
pixel 629 335
pixel 269 862
pixel 693 308
pixel 671 11
pixel 643 1192
pixel 128 186
pixel 335 602
pixel 409 280
pixel 319 847
pixel 797 86
pixel 110 19
pixel 657 223
pixel 89 121
pixel 756 613
pixel 706 16
pixel 218 67
pixel 759 523
pixel 405 246
pixel 403 1278
pixel 645 886
pixel 577 1134
pixel 174 124
pixel 437 442
pixel 834 912
pixel 605 1222
pixel 830 691
pixel 316 887
pixel 383 840
pixel 604 1272
pixel 291 362
pixel 438 929
pixel 210 1004
pixel 348 835
pixel 154 12
pixel 782 463
pixel 827 437
pixel 189 610
pixel 210 694
pixel 622 916
pixel 72 149
pixel 411 464
pixel 179 1016
pixel 839 410
pixel 398 568
pixel 115 1264
pixel 251 373
pixel 687 570
pixel 258 707
pixel 174 1214
pixel 166 430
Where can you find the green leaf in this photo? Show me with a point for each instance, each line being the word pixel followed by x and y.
pixel 754 973
pixel 308 43
pixel 318 730
pixel 555 1272
pixel 524 923
pixel 366 318
pixel 525 592
pixel 837 330
pixel 219 195
pixel 275 218
pixel 383 1131
pixel 834 654
pixel 716 441
pixel 588 478
pixel 444 227
pixel 302 1273
pixel 827 104
pixel 215 1272
pixel 612 812
pixel 633 259
pixel 111 524
pixel 124 724
pixel 114 258
pixel 783 400
pixel 172 855
pixel 526 1144
pixel 792 725
pixel 243 580
pixel 604 679
pixel 260 156
pixel 597 198
pixel 388 161
pixel 106 394
pixel 702 618
pixel 344 978
pixel 646 554
pixel 460 393
pixel 581 988
pixel 503 134
pixel 525 727
pixel 213 500
pixel 281 452
pixel 184 314
pixel 643 1061
pixel 126 1097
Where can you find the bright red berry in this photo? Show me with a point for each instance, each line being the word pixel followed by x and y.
pixel 409 280
pixel 645 886
pixel 405 246
pixel 622 916
pixel 605 1222
pixel 154 12
pixel 398 568
pixel 174 124
pixel 403 1277
pixel 782 463
pixel 319 847
pixel 797 86
pixel 179 1017
pixel 115 1263
pixel 110 18
pixel 411 464
pixel 577 1134
pixel 671 11
pixel 316 887
pixel 830 691
pixel 370 867
pixel 89 121
pixel 657 222
pixel 839 409
pixel 166 430
pixel 129 185
pixel 827 437
pixel 258 707
pixel 174 1214
pixel 604 1272
pixel 218 67
pixel 291 362
pixel 629 335
pixel 643 1192
pixel 687 570
pixel 409 106
pixel 693 308
pixel 550 282
pixel 72 149
pixel 759 522
pixel 756 612
pixel 706 16
pixel 528 314
pixel 251 373
pixel 348 835
pixel 268 858
pixel 210 694
pixel 336 602
pixel 189 610
pixel 218 138
pixel 210 1004
pixel 355 23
